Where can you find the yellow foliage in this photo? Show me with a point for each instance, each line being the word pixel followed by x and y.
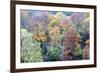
pixel 39 37
pixel 87 42
pixel 54 32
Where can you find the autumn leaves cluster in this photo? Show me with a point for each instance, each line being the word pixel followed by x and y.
pixel 57 36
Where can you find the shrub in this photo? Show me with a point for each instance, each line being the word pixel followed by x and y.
pixel 53 53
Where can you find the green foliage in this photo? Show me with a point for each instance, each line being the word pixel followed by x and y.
pixel 53 53
pixel 79 37
pixel 30 49
pixel 24 33
pixel 53 23
pixel 60 15
pixel 78 52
